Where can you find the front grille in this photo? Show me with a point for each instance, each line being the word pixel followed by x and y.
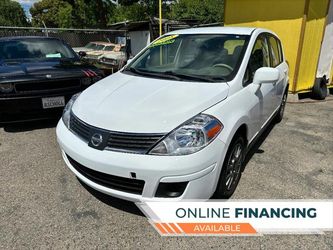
pixel 128 185
pixel 132 142
pixel 47 86
pixel 80 128
pixel 116 141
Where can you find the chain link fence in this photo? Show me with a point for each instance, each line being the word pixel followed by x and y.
pixel 74 37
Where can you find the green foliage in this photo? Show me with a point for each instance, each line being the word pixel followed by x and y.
pixel 65 18
pixel 92 13
pixel 71 13
pixel 12 14
pixel 206 11
pixel 52 12
pixel 100 13
pixel 136 11
pixel 139 10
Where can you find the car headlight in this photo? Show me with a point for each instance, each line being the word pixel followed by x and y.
pixel 66 114
pixel 6 87
pixel 109 60
pixel 190 137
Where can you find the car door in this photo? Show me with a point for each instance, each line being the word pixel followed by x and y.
pixel 277 62
pixel 265 94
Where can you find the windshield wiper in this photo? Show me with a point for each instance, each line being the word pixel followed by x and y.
pixel 154 74
pixel 192 77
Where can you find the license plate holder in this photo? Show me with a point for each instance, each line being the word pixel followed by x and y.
pixel 53 102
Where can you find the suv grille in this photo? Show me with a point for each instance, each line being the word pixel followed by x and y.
pixel 47 86
pixel 116 141
pixel 128 185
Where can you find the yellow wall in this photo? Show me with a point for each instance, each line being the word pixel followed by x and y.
pixel 285 17
pixel 315 25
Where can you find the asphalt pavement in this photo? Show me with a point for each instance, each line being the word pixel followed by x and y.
pixel 43 205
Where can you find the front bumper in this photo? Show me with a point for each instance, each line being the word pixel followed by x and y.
pixel 201 170
pixel 26 108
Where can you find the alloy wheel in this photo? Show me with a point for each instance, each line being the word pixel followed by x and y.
pixel 234 166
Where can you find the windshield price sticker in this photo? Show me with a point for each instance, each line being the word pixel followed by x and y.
pixel 164 41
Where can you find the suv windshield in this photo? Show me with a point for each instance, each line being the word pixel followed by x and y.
pixel 197 57
pixel 36 49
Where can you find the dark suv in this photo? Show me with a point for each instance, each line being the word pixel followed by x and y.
pixel 38 75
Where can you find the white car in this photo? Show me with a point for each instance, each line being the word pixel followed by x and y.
pixel 176 122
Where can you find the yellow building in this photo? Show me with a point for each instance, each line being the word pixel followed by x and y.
pixel 306 30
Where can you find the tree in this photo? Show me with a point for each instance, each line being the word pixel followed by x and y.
pixel 134 10
pixel 205 11
pixel 92 13
pixel 52 13
pixel 12 14
pixel 72 13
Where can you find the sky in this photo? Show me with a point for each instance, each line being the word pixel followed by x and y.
pixel 26 4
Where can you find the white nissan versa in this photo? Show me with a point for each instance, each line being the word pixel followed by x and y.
pixel 176 122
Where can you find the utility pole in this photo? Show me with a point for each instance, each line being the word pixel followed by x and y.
pixel 160 16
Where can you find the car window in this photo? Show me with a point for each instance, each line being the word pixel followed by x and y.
pixel 207 55
pixel 91 46
pixel 34 49
pixel 259 58
pixel 109 48
pixel 99 47
pixel 275 51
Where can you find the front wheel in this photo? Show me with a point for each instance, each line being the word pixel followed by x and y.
pixel 231 170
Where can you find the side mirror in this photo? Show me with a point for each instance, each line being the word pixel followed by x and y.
pixel 266 75
pixel 82 53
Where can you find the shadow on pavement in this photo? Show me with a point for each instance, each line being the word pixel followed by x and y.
pixel 255 148
pixel 119 204
pixel 29 125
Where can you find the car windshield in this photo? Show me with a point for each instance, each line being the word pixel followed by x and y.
pixel 203 57
pixel 109 48
pixel 91 46
pixel 36 49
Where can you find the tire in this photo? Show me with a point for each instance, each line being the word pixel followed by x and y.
pixel 231 171
pixel 280 113
pixel 319 90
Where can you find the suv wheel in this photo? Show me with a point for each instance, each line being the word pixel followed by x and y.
pixel 319 90
pixel 231 170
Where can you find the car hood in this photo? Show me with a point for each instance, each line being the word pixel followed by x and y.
pixel 128 103
pixel 78 49
pixel 114 55
pixel 96 52
pixel 54 69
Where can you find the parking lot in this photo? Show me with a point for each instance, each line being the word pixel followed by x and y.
pixel 43 205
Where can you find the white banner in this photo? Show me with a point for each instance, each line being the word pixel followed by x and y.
pixel 251 216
